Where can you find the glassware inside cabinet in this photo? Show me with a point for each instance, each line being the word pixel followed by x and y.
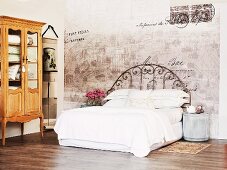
pixel 32 59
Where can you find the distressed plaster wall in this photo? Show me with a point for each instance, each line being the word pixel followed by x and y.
pixel 103 41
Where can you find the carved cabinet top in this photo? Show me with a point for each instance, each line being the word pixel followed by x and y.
pixel 6 20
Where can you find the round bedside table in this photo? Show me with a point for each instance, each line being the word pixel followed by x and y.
pixel 196 127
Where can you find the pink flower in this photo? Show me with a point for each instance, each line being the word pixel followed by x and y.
pixel 95 96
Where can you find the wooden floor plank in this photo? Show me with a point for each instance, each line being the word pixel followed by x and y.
pixel 32 152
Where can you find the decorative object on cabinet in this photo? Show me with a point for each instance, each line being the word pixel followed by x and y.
pixel 196 127
pixel 49 79
pixel 20 93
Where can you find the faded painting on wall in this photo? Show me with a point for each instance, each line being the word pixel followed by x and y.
pixel 99 46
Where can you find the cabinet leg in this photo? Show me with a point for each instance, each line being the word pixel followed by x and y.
pixel 3 132
pixel 22 129
pixel 41 126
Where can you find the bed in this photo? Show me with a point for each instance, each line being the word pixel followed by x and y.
pixel 143 112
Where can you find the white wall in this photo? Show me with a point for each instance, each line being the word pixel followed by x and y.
pixel 183 2
pixel 223 74
pixel 52 13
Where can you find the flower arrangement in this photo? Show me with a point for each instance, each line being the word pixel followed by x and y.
pixel 199 109
pixel 94 97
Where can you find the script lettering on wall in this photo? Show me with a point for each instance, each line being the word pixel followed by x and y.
pixel 75 36
pixel 181 16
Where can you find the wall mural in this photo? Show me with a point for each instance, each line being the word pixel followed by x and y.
pixel 98 50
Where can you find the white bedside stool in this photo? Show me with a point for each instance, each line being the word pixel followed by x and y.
pixel 196 127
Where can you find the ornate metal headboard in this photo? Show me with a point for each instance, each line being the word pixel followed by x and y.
pixel 148 76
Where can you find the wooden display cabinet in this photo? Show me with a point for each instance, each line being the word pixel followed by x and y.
pixel 20 72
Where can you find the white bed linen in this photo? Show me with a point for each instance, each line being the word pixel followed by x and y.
pixel 173 114
pixel 177 128
pixel 137 129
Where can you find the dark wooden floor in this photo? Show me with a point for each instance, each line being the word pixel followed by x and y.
pixel 30 152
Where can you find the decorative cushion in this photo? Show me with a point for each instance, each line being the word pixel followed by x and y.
pixel 165 93
pixel 119 94
pixel 168 102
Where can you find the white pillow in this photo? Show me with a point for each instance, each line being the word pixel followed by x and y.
pixel 13 71
pixel 139 94
pixel 140 103
pixel 119 94
pixel 116 103
pixel 165 93
pixel 149 103
pixel 168 102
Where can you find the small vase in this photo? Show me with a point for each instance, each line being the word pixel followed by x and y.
pixel 94 103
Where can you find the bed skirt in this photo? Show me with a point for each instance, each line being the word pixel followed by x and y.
pixel 177 128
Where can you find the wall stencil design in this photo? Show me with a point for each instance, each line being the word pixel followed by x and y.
pixel 183 15
pixel 98 48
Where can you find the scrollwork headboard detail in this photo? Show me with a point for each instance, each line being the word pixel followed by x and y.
pixel 149 76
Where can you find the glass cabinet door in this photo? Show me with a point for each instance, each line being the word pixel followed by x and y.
pixel 15 54
pixel 32 59
pixel 32 96
pixel 14 59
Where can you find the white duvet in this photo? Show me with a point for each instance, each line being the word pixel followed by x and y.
pixel 137 129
